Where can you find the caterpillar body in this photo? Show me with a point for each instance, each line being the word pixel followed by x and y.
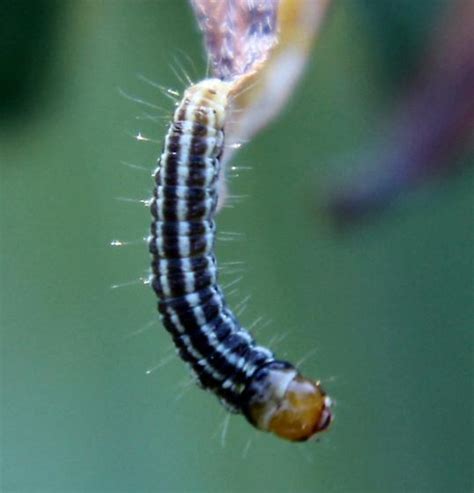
pixel 224 357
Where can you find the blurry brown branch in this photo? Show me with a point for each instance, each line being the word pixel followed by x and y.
pixel 431 127
pixel 238 34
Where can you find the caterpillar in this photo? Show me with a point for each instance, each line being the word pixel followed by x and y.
pixel 246 377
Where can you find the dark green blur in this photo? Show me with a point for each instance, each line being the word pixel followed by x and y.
pixel 382 312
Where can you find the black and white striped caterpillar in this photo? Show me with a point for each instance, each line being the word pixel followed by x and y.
pixel 224 357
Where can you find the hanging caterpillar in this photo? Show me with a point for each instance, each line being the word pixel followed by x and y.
pixel 224 357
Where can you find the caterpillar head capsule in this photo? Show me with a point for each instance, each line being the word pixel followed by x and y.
pixel 281 401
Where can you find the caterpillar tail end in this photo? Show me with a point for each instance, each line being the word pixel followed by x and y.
pixel 281 401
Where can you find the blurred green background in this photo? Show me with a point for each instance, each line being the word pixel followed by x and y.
pixel 383 312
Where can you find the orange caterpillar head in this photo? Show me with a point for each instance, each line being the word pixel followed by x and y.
pixel 280 400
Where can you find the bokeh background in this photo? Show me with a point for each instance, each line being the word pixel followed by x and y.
pixel 381 310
